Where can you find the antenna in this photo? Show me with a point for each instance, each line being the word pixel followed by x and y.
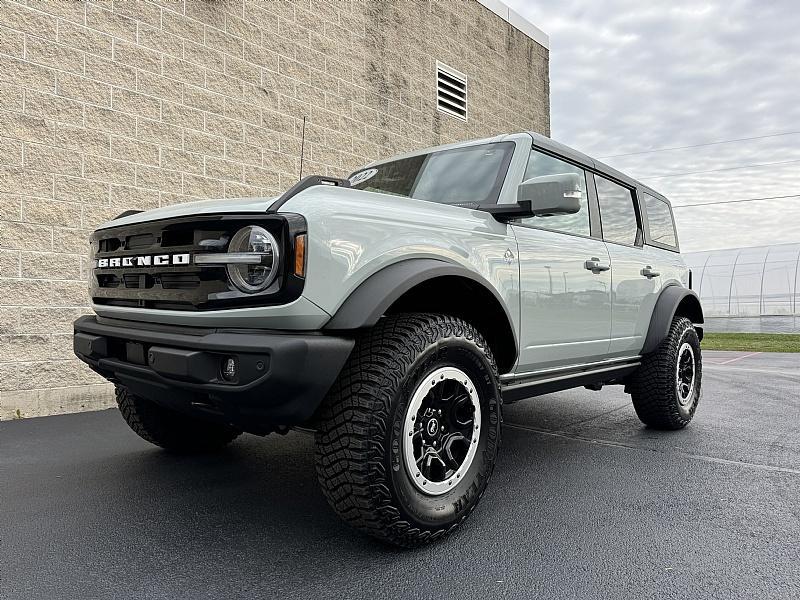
pixel 302 146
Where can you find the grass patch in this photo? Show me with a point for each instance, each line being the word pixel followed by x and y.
pixel 752 342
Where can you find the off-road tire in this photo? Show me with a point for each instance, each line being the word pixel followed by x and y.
pixel 169 429
pixel 654 385
pixel 359 457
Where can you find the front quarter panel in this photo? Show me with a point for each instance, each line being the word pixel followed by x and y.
pixel 354 234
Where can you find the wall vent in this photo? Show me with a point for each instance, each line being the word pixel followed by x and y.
pixel 451 91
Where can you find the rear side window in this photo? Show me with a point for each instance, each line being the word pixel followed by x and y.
pixel 659 221
pixel 462 176
pixel 617 212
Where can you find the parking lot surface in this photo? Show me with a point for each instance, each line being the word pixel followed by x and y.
pixel 585 502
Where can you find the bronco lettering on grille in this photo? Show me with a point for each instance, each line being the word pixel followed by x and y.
pixel 154 260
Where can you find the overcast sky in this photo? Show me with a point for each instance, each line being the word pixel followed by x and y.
pixel 628 76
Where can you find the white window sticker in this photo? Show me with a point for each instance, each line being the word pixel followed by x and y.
pixel 362 176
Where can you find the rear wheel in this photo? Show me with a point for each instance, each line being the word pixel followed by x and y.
pixel 170 429
pixel 666 388
pixel 408 435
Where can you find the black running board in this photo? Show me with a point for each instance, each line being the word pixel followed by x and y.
pixel 546 383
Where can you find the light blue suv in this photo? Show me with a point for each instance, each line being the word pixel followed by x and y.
pixel 394 313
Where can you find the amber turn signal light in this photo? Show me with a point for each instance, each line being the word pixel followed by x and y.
pixel 300 255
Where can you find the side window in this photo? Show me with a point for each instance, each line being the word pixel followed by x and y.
pixel 540 164
pixel 617 212
pixel 659 221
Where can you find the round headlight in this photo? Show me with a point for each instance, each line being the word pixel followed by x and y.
pixel 257 259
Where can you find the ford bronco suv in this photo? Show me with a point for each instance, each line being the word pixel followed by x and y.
pixel 394 313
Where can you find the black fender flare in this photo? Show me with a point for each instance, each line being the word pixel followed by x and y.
pixel 373 297
pixel 666 306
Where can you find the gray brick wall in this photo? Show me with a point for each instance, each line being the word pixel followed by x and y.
pixel 133 104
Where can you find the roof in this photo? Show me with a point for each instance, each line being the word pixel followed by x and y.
pixel 545 143
pixel 542 142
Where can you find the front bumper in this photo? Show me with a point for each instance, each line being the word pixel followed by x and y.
pixel 280 380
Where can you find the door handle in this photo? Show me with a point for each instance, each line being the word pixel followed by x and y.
pixel 649 272
pixel 595 266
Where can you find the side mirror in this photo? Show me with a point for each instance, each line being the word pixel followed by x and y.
pixel 552 194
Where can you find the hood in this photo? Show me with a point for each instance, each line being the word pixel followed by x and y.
pixel 201 207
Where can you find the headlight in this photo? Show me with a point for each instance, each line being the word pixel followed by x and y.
pixel 252 259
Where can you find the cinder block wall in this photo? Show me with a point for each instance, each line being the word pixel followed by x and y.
pixel 134 104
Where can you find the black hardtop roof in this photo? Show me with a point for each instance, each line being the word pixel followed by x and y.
pixel 550 145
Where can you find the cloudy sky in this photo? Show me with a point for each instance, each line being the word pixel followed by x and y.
pixel 630 76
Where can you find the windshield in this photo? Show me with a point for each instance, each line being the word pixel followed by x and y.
pixel 462 176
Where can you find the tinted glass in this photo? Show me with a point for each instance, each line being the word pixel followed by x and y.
pixel 464 176
pixel 659 221
pixel 617 212
pixel 543 164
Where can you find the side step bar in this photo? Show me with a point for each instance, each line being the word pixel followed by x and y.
pixel 530 385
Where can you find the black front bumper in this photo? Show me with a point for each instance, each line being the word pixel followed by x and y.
pixel 281 377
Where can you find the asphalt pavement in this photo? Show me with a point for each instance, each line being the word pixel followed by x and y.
pixel 585 503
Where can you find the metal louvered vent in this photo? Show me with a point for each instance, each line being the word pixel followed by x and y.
pixel 451 91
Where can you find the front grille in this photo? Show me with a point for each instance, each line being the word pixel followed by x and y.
pixel 184 286
pixel 180 281
pixel 138 281
pixel 108 281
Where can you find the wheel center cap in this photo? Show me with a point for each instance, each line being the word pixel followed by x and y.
pixel 433 427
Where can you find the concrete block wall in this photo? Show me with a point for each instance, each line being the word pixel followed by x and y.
pixel 107 106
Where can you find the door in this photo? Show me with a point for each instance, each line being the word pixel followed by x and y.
pixel 636 279
pixel 661 241
pixel 565 280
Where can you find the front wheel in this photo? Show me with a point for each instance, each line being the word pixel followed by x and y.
pixel 408 435
pixel 666 388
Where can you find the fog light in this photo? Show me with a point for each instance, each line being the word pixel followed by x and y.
pixel 229 370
